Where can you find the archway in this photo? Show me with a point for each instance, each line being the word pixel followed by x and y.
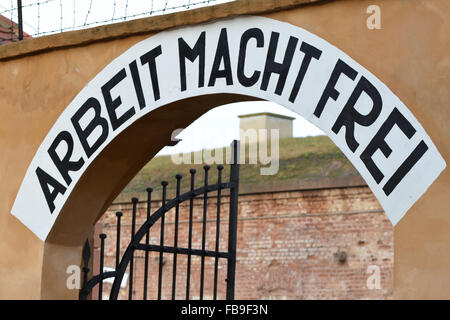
pixel 291 223
pixel 85 164
pixel 364 117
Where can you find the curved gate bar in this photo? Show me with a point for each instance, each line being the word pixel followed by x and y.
pixel 142 231
pixel 136 237
pixel 149 223
pixel 93 282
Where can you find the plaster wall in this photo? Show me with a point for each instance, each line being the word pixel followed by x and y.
pixel 39 77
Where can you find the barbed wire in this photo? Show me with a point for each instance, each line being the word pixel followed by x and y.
pixel 43 17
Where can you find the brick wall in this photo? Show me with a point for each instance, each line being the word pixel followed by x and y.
pixel 288 246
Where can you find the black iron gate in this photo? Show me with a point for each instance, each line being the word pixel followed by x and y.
pixel 140 240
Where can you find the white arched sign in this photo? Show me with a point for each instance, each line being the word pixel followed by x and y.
pixel 253 56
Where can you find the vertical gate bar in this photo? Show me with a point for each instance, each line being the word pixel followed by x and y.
pixel 216 260
pixel 118 215
pixel 161 242
pixel 20 20
pixel 232 225
pixel 133 230
pixel 102 260
pixel 175 240
pixel 205 205
pixel 147 241
pixel 86 256
pixel 191 214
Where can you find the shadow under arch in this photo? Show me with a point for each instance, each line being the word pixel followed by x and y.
pixel 122 159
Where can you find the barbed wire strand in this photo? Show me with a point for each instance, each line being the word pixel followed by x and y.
pixel 89 11
pixel 61 15
pixel 126 11
pixel 114 10
pixel 74 16
pixel 39 16
pixel 40 30
pixel 14 14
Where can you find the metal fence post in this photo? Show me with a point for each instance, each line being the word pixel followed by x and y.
pixel 20 21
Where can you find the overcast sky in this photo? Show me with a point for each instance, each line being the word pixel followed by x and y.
pixel 221 123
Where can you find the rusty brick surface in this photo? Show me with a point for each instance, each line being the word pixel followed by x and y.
pixel 288 246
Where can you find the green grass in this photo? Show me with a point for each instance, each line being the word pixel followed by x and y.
pixel 300 158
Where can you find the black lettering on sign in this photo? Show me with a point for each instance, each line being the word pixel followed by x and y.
pixel 64 165
pixel 150 59
pixel 137 84
pixel 330 92
pixel 46 180
pixel 222 54
pixel 258 35
pixel 310 52
pixel 349 115
pixel 112 105
pixel 405 167
pixel 186 52
pixel 97 121
pixel 282 69
pixel 379 143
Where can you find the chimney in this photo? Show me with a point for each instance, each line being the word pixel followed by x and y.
pixel 252 123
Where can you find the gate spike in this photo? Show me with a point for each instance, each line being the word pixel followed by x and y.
pixel 86 252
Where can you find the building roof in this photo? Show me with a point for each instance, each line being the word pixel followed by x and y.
pixel 9 31
pixel 265 114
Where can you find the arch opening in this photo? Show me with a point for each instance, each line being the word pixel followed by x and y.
pixel 305 222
